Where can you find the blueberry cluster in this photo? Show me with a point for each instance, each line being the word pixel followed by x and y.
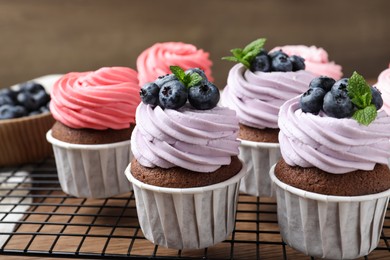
pixel 332 98
pixel 170 92
pixel 30 99
pixel 276 61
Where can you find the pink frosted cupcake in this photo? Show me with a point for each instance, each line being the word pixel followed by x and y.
pixel 383 84
pixel 256 88
pixel 95 113
pixel 316 60
pixel 155 61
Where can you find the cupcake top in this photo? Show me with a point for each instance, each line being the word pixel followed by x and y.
pixel 383 84
pixel 262 82
pixel 156 60
pixel 335 143
pixel 196 135
pixel 316 60
pixel 102 99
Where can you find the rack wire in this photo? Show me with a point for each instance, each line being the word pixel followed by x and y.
pixel 38 219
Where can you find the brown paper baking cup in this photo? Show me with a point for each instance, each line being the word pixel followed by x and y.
pixel 332 227
pixel 23 140
pixel 187 218
pixel 258 158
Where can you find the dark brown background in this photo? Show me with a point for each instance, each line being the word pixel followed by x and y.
pixel 56 36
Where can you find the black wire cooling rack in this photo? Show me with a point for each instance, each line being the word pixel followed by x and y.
pixel 38 219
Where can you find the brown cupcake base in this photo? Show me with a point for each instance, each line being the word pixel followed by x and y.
pixel 267 135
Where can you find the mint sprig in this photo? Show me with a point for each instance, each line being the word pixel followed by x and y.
pixel 360 94
pixel 246 55
pixel 189 80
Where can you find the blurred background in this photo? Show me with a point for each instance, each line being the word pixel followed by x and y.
pixel 43 37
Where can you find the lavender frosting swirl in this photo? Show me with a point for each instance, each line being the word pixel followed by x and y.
pixel 257 96
pixel 330 144
pixel 197 140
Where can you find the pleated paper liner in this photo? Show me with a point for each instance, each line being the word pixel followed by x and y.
pixel 92 171
pixel 258 158
pixel 187 218
pixel 22 140
pixel 333 227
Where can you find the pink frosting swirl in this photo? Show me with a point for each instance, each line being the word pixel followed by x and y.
pixel 155 61
pixel 383 85
pixel 102 99
pixel 330 144
pixel 257 96
pixel 197 140
pixel 316 60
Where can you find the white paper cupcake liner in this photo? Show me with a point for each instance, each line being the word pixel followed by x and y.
pixel 334 227
pixel 258 158
pixel 92 171
pixel 187 218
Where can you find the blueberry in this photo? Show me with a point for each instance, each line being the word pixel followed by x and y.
pixel 149 93
pixel 276 53
pixel 298 63
pixel 41 97
pixel 43 109
pixel 376 98
pixel 173 94
pixel 281 63
pixel 34 113
pixel 338 105
pixel 31 87
pixel 9 92
pixel 261 62
pixel 9 111
pixel 312 100
pixel 6 100
pixel 200 72
pixel 340 85
pixel 28 101
pixel 203 97
pixel 323 82
pixel 161 80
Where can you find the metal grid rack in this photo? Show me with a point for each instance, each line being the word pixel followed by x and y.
pixel 43 221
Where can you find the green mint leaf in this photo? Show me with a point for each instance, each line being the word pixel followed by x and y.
pixel 256 45
pixel 238 53
pixel 179 73
pixel 366 115
pixel 231 58
pixel 195 78
pixel 246 55
pixel 359 91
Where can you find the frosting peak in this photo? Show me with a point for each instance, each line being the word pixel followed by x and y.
pixel 331 144
pixel 102 99
pixel 155 61
pixel 197 140
pixel 316 60
pixel 383 84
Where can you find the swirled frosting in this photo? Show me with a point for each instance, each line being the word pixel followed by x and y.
pixel 330 144
pixel 316 60
pixel 155 61
pixel 197 140
pixel 257 96
pixel 383 85
pixel 102 99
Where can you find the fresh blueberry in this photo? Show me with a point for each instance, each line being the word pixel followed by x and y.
pixel 41 97
pixel 312 100
pixel 200 72
pixel 31 87
pixel 34 113
pixel 261 62
pixel 298 63
pixel 338 105
pixel 376 98
pixel 323 82
pixel 149 93
pixel 9 92
pixel 276 53
pixel 203 97
pixel 43 109
pixel 9 111
pixel 6 100
pixel 161 80
pixel 340 85
pixel 282 63
pixel 28 101
pixel 173 94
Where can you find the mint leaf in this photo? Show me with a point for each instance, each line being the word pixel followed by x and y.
pixel 359 91
pixel 255 45
pixel 195 78
pixel 231 58
pixel 366 115
pixel 246 55
pixel 178 72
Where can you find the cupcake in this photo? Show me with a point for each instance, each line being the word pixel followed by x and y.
pixel 24 120
pixel 256 88
pixel 333 183
pixel 95 116
pixel 185 171
pixel 383 84
pixel 155 60
pixel 316 60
